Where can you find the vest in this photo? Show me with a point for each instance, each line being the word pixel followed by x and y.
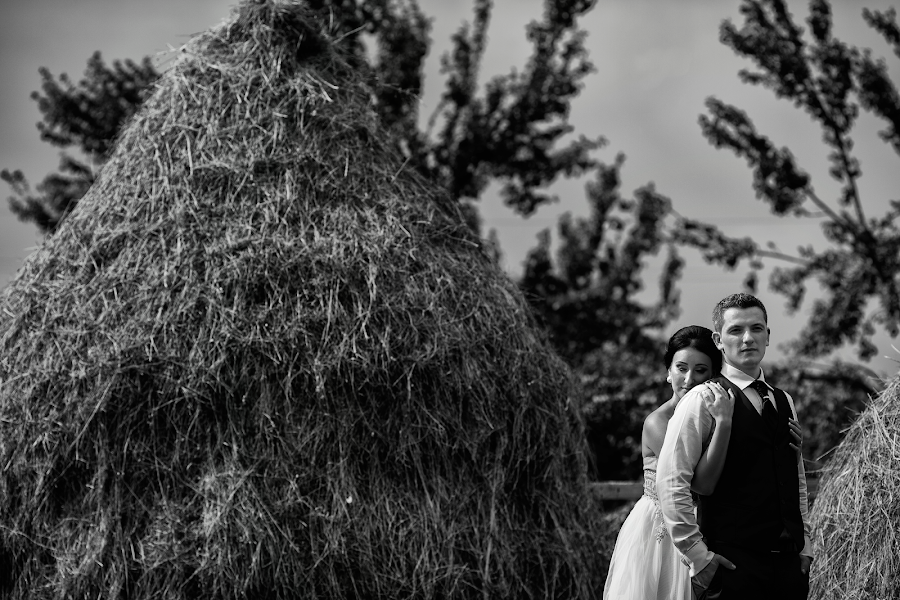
pixel 757 497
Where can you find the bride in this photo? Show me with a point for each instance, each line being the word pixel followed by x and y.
pixel 645 564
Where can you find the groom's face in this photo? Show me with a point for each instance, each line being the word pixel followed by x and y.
pixel 743 338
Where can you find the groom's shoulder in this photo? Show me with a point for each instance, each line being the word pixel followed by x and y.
pixel 775 387
pixel 697 393
pixel 724 382
pixel 782 390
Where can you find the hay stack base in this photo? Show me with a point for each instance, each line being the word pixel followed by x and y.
pixel 856 515
pixel 262 359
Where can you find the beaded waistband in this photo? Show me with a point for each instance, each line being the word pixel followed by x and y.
pixel 650 485
pixel 650 492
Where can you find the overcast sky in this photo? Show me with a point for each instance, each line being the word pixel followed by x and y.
pixel 657 61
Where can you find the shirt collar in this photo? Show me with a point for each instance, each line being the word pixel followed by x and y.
pixel 739 378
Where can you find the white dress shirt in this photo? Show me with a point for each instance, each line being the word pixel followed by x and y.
pixel 687 436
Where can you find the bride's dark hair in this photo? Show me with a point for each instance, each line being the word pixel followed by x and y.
pixel 697 337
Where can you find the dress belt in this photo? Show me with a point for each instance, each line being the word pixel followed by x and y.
pixel 650 491
pixel 650 485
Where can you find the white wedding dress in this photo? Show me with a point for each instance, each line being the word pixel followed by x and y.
pixel 645 564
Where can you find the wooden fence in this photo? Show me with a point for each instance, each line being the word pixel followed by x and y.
pixel 632 490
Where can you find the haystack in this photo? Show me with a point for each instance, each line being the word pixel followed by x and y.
pixel 262 359
pixel 856 514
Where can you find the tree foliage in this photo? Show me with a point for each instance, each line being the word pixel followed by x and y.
pixel 512 130
pixel 86 117
pixel 588 300
pixel 828 399
pixel 832 82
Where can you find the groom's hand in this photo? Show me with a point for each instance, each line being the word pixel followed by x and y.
pixel 700 582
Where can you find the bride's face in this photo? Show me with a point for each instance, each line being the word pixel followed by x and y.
pixel 689 367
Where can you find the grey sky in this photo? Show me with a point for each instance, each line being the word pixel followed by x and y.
pixel 657 61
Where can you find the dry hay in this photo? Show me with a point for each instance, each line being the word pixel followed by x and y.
pixel 263 360
pixel 856 514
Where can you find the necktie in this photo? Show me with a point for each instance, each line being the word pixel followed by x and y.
pixel 769 412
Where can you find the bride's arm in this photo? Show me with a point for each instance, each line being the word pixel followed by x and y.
pixel 708 470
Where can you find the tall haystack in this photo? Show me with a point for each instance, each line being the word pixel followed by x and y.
pixel 856 514
pixel 263 360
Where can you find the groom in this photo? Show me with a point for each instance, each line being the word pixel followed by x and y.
pixel 750 538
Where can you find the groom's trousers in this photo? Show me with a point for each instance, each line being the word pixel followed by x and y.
pixel 759 575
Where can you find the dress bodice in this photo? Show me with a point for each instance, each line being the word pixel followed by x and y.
pixel 650 492
pixel 650 477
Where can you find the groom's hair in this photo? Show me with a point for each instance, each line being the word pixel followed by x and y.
pixel 735 301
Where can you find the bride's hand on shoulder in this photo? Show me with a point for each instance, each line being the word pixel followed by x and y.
pixel 721 407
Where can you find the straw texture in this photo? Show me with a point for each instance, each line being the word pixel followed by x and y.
pixel 261 360
pixel 856 514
